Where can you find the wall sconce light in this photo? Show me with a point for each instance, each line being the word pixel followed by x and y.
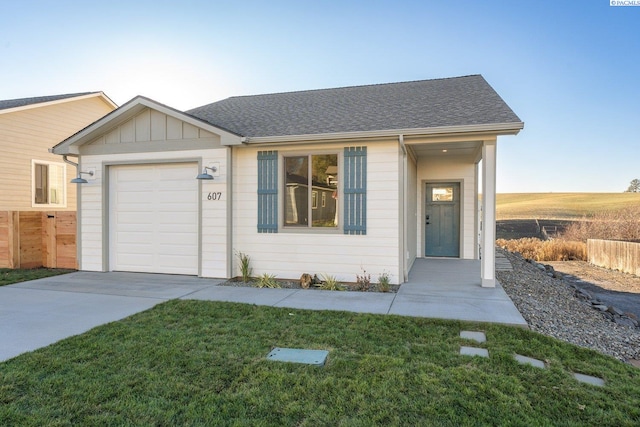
pixel 79 179
pixel 205 175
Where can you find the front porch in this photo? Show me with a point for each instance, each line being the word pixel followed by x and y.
pixel 452 289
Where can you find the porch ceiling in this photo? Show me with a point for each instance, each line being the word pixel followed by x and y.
pixel 468 148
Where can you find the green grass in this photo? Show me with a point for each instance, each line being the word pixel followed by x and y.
pixel 203 363
pixel 561 205
pixel 9 276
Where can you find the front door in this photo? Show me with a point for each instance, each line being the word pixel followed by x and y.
pixel 442 220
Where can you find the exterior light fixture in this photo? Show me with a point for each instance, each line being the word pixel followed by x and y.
pixel 205 175
pixel 79 179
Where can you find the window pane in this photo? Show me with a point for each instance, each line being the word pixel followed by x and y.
pixel 442 194
pixel 324 172
pixel 56 184
pixel 296 194
pixel 41 184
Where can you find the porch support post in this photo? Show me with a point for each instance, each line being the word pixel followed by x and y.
pixel 488 235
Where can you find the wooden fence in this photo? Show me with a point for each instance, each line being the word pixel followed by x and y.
pixel 37 239
pixel 615 255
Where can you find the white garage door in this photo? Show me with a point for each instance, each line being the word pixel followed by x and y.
pixel 153 222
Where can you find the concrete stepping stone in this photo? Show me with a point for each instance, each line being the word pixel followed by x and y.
pixel 524 360
pixel 473 351
pixel 588 379
pixel 475 336
pixel 295 355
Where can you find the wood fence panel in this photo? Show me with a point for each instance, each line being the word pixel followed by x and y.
pixel 37 239
pixel 615 255
pixel 66 240
pixel 30 239
pixel 5 238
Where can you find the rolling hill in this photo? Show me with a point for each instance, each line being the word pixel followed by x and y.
pixel 564 206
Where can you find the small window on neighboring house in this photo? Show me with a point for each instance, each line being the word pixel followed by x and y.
pixel 49 180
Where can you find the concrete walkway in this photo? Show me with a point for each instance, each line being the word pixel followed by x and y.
pixel 41 312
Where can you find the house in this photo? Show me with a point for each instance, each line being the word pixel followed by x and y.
pixel 331 181
pixel 32 180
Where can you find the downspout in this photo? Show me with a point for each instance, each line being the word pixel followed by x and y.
pixel 64 158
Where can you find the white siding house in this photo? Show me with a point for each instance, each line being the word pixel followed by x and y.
pixel 334 181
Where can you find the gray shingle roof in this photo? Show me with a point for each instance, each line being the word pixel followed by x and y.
pixel 456 101
pixel 14 103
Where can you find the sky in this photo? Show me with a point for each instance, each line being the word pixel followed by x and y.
pixel 569 69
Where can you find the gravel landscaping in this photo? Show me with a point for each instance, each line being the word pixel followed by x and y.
pixel 550 306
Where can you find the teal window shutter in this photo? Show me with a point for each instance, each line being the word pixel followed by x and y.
pixel 267 191
pixel 355 190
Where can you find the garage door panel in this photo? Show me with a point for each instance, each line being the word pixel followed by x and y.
pixel 135 197
pixel 134 238
pixel 130 218
pixel 154 220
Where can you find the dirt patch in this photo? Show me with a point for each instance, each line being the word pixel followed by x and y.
pixel 604 278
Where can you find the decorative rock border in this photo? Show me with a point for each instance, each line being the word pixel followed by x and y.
pixel 610 312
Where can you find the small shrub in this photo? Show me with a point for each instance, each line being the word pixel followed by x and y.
pixel 245 268
pixel 384 280
pixel 546 250
pixel 267 281
pixel 330 283
pixel 363 282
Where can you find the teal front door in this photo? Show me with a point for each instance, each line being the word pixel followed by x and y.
pixel 442 220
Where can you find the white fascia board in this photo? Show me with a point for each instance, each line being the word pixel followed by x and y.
pixel 104 97
pixel 126 112
pixel 497 128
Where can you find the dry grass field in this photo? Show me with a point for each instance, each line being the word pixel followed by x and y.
pixel 564 206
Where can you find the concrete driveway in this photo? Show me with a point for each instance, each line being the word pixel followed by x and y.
pixel 41 312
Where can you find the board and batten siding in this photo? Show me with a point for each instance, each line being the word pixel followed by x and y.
pixel 450 169
pixel 290 253
pixel 27 134
pixel 117 147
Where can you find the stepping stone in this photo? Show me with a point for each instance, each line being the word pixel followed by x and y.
pixel 524 360
pixel 295 355
pixel 475 336
pixel 588 379
pixel 473 351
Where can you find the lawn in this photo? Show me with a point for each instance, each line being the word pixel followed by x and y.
pixel 568 206
pixel 9 276
pixel 203 363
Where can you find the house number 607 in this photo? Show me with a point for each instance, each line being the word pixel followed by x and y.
pixel 214 196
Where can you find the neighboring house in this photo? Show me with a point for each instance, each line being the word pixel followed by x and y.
pixel 332 181
pixel 32 180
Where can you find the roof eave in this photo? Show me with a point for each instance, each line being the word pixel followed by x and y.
pixel 510 128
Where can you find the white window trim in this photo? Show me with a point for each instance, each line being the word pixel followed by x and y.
pixel 35 162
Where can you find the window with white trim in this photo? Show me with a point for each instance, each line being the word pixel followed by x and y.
pixel 307 178
pixel 48 184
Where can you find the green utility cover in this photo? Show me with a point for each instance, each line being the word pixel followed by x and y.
pixel 295 355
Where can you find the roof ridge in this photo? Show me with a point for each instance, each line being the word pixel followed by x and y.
pixel 353 87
